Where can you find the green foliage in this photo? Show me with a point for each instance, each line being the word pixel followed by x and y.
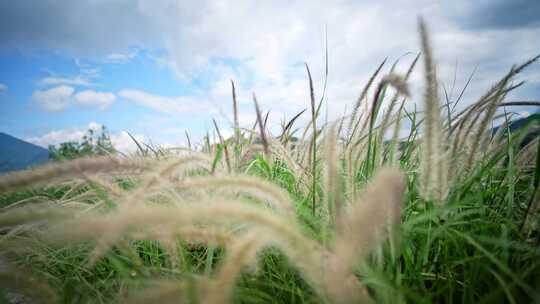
pixel 91 144
pixel 469 250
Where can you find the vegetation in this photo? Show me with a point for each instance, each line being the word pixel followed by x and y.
pixel 329 213
pixel 91 144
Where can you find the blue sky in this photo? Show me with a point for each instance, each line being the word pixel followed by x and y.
pixel 159 68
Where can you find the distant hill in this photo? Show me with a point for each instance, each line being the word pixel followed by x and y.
pixel 16 154
pixel 531 123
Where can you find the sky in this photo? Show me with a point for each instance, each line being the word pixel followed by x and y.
pixel 157 69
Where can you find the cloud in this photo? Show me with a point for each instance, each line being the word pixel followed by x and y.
pixel 84 79
pixel 3 87
pixel 268 59
pixel 124 143
pixel 94 126
pixel 74 81
pixel 60 98
pixel 55 99
pixel 500 14
pixel 81 27
pixel 56 137
pixel 92 98
pixel 120 58
pixel 120 140
pixel 164 104
pixel 262 45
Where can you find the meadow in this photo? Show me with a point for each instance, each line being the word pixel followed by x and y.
pixel 343 211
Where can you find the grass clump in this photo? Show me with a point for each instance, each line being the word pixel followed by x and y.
pixel 338 215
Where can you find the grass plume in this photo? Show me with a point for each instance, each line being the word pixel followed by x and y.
pixel 315 215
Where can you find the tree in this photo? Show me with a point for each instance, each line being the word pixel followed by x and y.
pixel 92 143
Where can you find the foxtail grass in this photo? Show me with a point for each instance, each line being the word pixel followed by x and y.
pixel 330 212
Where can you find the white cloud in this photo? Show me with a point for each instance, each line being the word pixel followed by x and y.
pixel 262 46
pixel 94 126
pixel 120 140
pixel 120 58
pixel 268 58
pixel 56 137
pixel 165 104
pixel 62 97
pixel 73 81
pixel 55 99
pixel 92 98
pixel 3 87
pixel 124 143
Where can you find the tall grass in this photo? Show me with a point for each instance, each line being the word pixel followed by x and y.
pixel 337 215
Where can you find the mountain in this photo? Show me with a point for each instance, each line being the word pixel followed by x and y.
pixel 529 124
pixel 16 154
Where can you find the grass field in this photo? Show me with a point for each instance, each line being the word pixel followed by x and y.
pixel 332 212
